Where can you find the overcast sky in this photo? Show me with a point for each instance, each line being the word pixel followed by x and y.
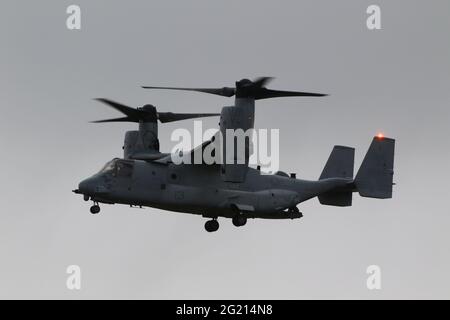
pixel 394 80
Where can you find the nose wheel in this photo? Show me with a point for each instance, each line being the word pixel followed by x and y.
pixel 95 208
pixel 212 225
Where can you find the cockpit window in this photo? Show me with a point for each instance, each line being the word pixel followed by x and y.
pixel 119 168
pixel 124 168
pixel 109 166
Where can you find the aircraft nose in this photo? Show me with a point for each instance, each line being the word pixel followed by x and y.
pixel 93 186
pixel 87 186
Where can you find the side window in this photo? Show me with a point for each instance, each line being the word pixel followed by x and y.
pixel 124 169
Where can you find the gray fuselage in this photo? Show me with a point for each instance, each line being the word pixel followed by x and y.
pixel 200 189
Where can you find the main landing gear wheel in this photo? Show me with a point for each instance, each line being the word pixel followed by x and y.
pixel 212 225
pixel 295 213
pixel 239 220
pixel 95 209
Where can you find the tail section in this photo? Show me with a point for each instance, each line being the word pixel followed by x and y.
pixel 339 165
pixel 374 178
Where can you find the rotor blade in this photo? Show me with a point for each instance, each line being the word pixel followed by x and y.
pixel 130 112
pixel 262 81
pixel 170 116
pixel 264 93
pixel 123 119
pixel 225 91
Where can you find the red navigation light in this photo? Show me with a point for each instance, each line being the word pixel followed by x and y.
pixel 380 136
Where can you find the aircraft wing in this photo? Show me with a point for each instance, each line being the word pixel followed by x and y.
pixel 148 156
pixel 190 156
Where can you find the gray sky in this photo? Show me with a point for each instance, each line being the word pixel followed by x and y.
pixel 394 80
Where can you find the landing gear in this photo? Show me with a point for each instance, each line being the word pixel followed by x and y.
pixel 294 213
pixel 212 225
pixel 95 208
pixel 239 220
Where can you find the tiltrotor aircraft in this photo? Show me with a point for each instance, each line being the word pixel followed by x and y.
pixel 147 177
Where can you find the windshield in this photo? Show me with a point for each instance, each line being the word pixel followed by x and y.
pixel 118 167
pixel 109 166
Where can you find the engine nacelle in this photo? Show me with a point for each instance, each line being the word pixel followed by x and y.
pixel 129 144
pixel 240 120
pixel 142 142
